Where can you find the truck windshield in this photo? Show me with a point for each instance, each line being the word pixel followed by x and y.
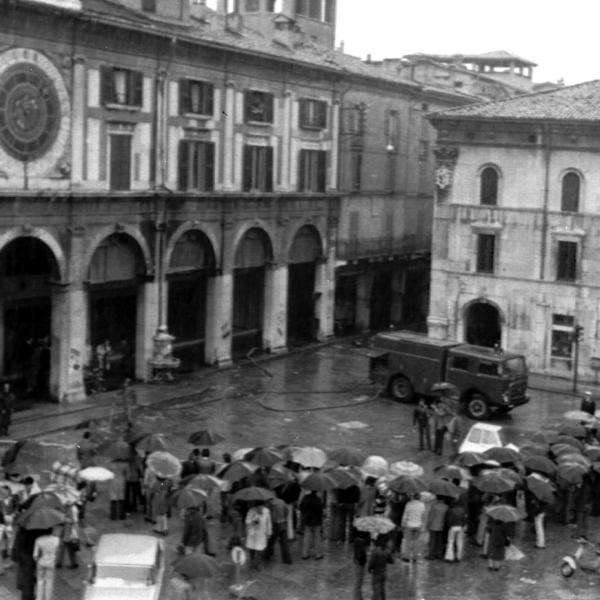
pixel 514 366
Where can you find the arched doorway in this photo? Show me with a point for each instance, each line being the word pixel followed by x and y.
pixel 115 275
pixel 27 267
pixel 482 325
pixel 304 253
pixel 381 301
pixel 192 262
pixel 251 257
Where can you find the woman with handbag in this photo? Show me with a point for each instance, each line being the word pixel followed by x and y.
pixel 69 538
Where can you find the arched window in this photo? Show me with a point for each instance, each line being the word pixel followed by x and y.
pixel 489 186
pixel 569 200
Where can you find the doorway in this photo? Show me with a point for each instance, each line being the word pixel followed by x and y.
pixel 482 325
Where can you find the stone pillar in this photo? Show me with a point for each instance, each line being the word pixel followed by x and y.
pixel 147 324
pixel 325 297
pixel 228 137
pixel 364 283
pixel 275 308
pixel 68 342
pixel 78 123
pixel 335 135
pixel 286 143
pixel 219 316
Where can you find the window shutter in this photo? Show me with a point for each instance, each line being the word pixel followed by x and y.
pixel 137 87
pixel 247 168
pixel 247 106
pixel 269 101
pixel 183 165
pixel 322 117
pixel 302 171
pixel 209 99
pixel 184 96
pixel 322 171
pixel 302 112
pixel 107 92
pixel 269 168
pixel 209 166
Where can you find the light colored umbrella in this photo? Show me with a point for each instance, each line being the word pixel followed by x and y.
pixel 574 458
pixel 97 474
pixel 504 512
pixel 67 494
pixel 310 457
pixel 188 498
pixel 406 467
pixel 240 454
pixel 578 416
pixel 559 449
pixel 375 466
pixel 164 464
pixel 204 482
pixel 197 566
pixel 264 457
pixel 374 524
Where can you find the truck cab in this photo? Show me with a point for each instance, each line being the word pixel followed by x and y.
pixel 487 379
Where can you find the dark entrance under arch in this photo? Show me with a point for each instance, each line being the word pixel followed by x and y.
pixel 251 257
pixel 27 267
pixel 380 317
pixel 482 325
pixel 114 277
pixel 192 263
pixel 305 251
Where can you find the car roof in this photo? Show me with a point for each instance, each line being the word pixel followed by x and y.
pixel 486 426
pixel 126 549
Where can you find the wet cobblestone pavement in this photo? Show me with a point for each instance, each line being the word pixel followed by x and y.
pixel 323 398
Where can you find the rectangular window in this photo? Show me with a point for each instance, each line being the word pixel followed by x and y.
pixel 566 264
pixel 423 150
pixel 120 162
pixel 309 8
pixel 392 131
pixel 258 169
pixel 461 363
pixel 562 339
pixel 329 11
pixel 312 169
pixel 258 107
pixel 121 86
pixel 252 5
pixel 196 97
pixel 149 6
pixel 486 247
pixel 356 171
pixel 196 166
pixel 313 114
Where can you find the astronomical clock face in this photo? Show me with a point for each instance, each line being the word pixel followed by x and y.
pixel 34 109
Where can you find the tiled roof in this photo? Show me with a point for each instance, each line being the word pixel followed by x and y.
pixel 579 102
pixel 215 33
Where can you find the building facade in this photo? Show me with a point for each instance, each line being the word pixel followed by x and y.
pixel 162 163
pixel 515 251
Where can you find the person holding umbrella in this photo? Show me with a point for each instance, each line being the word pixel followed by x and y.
pixel 412 525
pixel 361 542
pixel 378 562
pixel 195 532
pixel 86 455
pixel 311 509
pixel 436 523
pixel 258 531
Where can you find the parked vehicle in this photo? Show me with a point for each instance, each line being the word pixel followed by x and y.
pixel 487 379
pixel 586 558
pixel 482 437
pixel 126 566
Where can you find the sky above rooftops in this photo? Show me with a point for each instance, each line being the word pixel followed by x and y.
pixel 561 37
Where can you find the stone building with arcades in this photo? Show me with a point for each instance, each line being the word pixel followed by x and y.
pixel 163 164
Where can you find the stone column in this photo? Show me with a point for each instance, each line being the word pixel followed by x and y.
pixel 325 297
pixel 219 316
pixel 147 324
pixel 78 136
pixel 286 142
pixel 335 134
pixel 275 308
pixel 364 283
pixel 228 137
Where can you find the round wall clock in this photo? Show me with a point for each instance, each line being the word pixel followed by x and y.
pixel 34 110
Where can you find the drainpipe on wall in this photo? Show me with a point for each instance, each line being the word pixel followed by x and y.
pixel 547 154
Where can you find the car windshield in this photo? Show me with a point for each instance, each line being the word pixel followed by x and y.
pixel 514 366
pixel 128 573
pixel 490 437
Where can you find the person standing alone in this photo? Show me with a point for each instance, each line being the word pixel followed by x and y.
pixel 421 418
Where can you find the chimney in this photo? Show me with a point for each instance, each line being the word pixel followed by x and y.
pixel 199 10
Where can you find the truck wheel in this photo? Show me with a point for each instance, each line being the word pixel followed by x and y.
pixel 477 406
pixel 401 389
pixel 566 570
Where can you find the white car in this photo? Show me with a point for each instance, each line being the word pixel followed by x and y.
pixel 482 437
pixel 126 567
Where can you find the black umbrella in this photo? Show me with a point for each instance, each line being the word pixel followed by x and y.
pixel 205 437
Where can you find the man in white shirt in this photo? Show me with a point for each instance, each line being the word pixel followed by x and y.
pixel 44 553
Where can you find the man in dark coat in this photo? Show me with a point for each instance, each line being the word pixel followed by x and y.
pixel 86 455
pixel 311 509
pixel 195 532
pixel 278 510
pixel 380 558
pixel 360 545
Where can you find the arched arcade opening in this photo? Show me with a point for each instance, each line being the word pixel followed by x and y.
pixel 483 325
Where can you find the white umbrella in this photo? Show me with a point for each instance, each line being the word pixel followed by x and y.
pixel 406 467
pixel 96 474
pixel 309 456
pixel 375 466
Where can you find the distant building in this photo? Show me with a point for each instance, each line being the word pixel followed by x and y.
pixel 515 236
